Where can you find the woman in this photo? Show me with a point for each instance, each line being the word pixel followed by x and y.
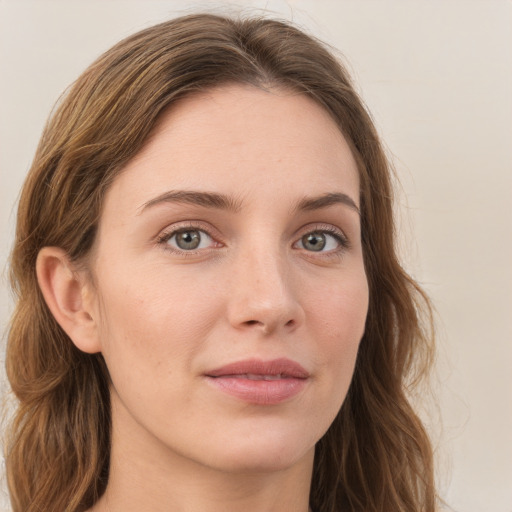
pixel 211 314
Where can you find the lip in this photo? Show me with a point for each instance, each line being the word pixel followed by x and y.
pixel 260 382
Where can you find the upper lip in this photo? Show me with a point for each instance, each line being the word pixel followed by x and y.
pixel 283 366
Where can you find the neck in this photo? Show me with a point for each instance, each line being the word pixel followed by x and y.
pixel 202 489
pixel 251 493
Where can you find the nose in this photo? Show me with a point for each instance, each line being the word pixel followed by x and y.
pixel 263 294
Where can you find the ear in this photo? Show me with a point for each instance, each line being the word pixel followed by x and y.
pixel 69 297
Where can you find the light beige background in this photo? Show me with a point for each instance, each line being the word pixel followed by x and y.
pixel 437 76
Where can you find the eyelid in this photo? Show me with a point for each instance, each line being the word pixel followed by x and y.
pixel 329 229
pixel 166 234
pixel 170 231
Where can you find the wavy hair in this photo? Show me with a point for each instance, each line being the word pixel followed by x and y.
pixel 376 456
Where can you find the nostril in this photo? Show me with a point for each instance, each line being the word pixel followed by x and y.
pixel 290 323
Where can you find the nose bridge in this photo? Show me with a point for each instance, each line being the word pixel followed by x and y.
pixel 262 291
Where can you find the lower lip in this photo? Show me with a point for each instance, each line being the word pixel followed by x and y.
pixel 261 392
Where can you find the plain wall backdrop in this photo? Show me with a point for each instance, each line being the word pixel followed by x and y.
pixel 437 77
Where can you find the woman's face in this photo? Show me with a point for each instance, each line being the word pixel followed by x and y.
pixel 230 291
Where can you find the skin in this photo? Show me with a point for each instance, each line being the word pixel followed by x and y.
pixel 164 316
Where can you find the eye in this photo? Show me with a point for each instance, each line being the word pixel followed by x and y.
pixel 321 241
pixel 187 239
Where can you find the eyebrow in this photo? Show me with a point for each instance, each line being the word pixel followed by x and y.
pixel 229 203
pixel 207 199
pixel 326 200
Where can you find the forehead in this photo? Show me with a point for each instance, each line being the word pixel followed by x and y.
pixel 242 139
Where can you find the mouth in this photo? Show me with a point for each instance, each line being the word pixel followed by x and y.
pixel 254 376
pixel 260 382
pixel 257 369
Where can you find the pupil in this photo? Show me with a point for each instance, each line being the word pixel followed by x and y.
pixel 314 241
pixel 188 240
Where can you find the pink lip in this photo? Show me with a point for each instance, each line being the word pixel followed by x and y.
pixel 260 382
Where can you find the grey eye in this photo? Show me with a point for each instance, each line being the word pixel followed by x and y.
pixel 187 240
pixel 315 241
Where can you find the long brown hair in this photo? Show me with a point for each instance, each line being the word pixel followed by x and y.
pixel 376 455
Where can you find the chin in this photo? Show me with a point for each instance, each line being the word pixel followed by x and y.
pixel 258 454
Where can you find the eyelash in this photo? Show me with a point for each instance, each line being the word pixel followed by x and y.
pixel 340 238
pixel 169 234
pixel 331 231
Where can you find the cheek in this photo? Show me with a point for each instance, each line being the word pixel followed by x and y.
pixel 150 318
pixel 338 316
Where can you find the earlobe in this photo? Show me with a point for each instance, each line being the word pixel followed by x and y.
pixel 65 291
